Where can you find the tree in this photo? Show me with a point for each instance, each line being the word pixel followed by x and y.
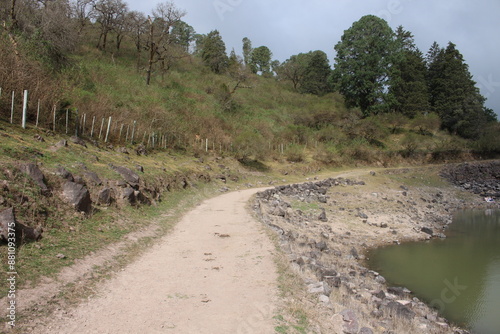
pixel 109 14
pixel 213 52
pixel 260 60
pixel 454 95
pixel 408 82
pixel 183 34
pixel 316 73
pixel 247 50
pixel 292 69
pixel 364 56
pixel 82 11
pixel 165 16
pixel 138 29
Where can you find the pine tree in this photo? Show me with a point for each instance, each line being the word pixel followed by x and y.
pixel 213 52
pixel 454 95
pixel 408 85
pixel 316 74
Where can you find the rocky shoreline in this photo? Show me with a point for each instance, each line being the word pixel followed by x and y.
pixel 326 227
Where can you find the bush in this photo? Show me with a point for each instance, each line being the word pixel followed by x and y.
pixel 328 154
pixel 294 153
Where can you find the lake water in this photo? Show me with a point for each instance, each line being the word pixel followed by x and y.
pixel 459 276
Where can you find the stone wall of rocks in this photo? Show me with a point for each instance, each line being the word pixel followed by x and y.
pixel 330 266
pixel 482 178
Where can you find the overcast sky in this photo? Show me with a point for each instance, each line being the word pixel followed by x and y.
pixel 289 27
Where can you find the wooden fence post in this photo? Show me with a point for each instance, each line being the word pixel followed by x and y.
pixel 25 108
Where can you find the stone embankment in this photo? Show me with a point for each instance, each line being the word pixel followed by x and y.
pixel 327 227
pixel 482 178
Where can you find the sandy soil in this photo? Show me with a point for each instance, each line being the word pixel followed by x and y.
pixel 213 274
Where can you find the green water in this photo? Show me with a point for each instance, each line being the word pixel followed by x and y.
pixel 459 276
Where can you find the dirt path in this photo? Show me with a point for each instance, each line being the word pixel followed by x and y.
pixel 213 274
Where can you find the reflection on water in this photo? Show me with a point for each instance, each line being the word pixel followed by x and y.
pixel 460 276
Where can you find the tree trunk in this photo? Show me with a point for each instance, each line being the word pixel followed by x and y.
pixel 13 15
pixel 152 51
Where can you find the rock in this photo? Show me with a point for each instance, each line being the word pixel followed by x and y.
pixel 321 246
pixel 61 256
pixel 62 143
pixel 78 196
pixel 427 230
pixel 141 150
pixel 92 178
pixel 128 175
pixel 78 141
pixel 354 253
pixel 322 217
pixel 398 291
pixel 400 310
pixel 380 279
pixel 351 323
pixel 36 174
pixel 104 197
pixel 316 287
pixel 38 138
pixel 22 232
pixel 62 172
pixel 365 330
pixel 128 195
pixel 362 215
pixel 380 294
pixel 141 198
pixel 324 299
pixel 122 150
pixel 333 281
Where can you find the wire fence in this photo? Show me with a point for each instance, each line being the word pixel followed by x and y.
pixel 18 109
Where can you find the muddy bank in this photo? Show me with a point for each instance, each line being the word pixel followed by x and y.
pixel 325 227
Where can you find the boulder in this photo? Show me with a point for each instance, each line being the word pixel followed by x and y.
pixel 128 196
pixel 22 232
pixel 427 230
pixel 322 217
pixel 92 178
pixel 62 172
pixel 78 141
pixel 36 174
pixel 78 196
pixel 128 175
pixel 104 197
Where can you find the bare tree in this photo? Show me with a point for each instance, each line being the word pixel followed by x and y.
pixel 109 13
pixel 138 29
pixel 82 11
pixel 165 16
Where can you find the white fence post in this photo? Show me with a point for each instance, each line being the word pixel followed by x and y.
pixel 12 108
pixel 107 131
pixel 37 113
pixel 25 108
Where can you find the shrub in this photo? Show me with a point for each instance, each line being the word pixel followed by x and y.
pixel 294 153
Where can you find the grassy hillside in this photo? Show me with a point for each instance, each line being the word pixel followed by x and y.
pixel 265 119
